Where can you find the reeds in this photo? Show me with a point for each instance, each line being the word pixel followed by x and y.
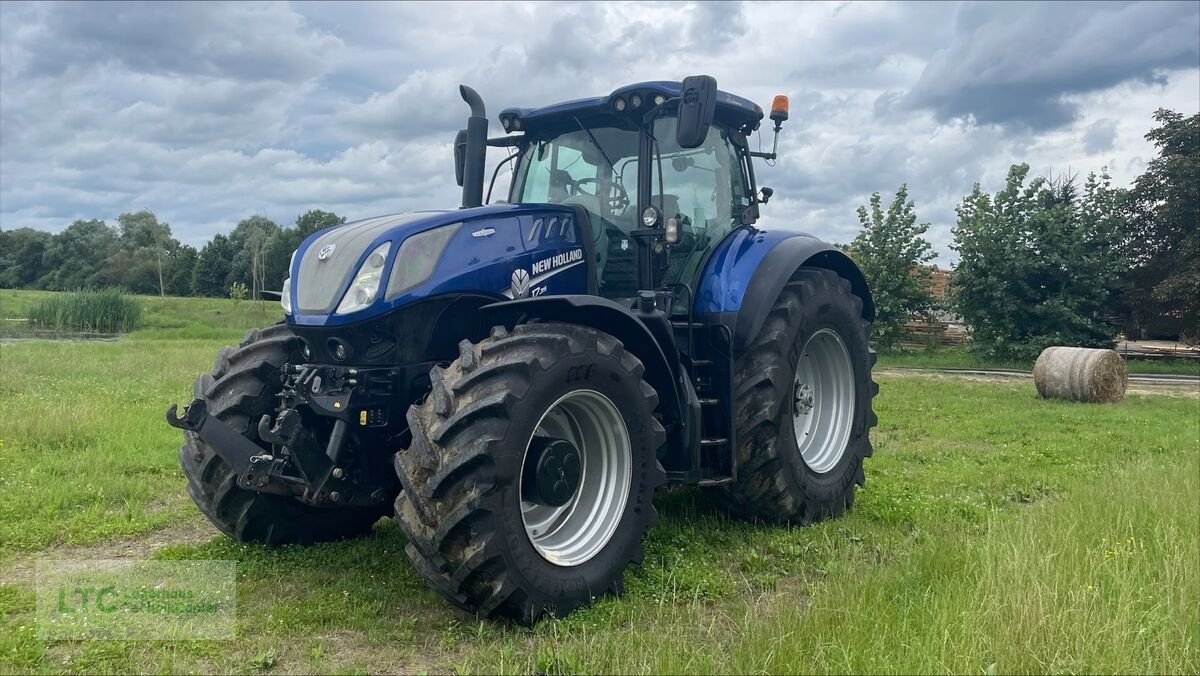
pixel 94 310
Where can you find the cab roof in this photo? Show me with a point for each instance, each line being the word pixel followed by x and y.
pixel 731 109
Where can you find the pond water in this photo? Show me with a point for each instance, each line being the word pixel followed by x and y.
pixel 19 331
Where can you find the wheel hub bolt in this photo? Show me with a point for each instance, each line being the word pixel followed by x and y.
pixel 803 399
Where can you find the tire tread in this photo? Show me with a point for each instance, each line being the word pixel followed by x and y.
pixel 448 470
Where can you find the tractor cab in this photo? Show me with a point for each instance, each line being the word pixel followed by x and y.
pixel 661 170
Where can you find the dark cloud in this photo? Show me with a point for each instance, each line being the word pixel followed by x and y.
pixel 236 40
pixel 1018 63
pixel 208 112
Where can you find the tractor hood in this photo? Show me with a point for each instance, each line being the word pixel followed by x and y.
pixel 328 258
pixel 473 250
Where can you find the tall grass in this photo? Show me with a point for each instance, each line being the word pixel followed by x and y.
pixel 164 318
pixel 97 310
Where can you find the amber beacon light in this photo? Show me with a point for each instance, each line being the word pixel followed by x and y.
pixel 779 110
pixel 779 113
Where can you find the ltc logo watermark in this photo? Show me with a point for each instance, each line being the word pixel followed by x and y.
pixel 116 599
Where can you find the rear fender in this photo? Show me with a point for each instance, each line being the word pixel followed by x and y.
pixel 746 273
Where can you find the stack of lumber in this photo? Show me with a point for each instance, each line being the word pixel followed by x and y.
pixel 1156 349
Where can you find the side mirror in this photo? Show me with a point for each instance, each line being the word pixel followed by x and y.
pixel 460 155
pixel 697 104
pixel 682 164
pixel 764 194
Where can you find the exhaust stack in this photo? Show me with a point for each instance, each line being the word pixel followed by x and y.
pixel 474 153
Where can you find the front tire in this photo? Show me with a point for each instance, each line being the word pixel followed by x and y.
pixel 476 531
pixel 803 405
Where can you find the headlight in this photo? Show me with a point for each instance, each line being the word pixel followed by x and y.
pixel 649 217
pixel 417 258
pixel 366 282
pixel 285 296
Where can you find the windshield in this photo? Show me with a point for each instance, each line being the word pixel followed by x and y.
pixel 594 168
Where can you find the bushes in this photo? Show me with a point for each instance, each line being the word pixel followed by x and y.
pixel 1038 264
pixel 102 311
pixel 892 253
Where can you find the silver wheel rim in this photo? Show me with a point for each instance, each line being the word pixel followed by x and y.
pixel 823 401
pixel 575 532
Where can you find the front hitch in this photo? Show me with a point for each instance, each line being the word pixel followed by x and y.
pixel 303 469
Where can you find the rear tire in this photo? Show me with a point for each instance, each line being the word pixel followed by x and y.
pixel 463 504
pixel 239 391
pixel 781 476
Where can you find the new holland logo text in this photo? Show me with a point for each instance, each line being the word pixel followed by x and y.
pixel 557 261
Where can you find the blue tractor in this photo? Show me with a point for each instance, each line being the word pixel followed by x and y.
pixel 514 381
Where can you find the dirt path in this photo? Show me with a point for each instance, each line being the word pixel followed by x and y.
pixel 20 568
pixel 1181 389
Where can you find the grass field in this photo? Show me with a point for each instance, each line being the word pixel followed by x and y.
pixel 997 533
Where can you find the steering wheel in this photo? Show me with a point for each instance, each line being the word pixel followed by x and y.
pixel 617 197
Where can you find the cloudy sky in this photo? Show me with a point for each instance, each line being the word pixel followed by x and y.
pixel 206 113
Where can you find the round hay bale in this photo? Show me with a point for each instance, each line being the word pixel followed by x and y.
pixel 1080 374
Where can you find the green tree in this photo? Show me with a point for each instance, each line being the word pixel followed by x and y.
pixel 892 254
pixel 314 220
pixel 249 239
pixel 124 269
pixel 182 268
pixel 1038 264
pixel 1161 291
pixel 21 254
pixel 147 245
pixel 210 277
pixel 276 256
pixel 77 255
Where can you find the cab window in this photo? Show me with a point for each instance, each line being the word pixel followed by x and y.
pixel 595 169
pixel 703 188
